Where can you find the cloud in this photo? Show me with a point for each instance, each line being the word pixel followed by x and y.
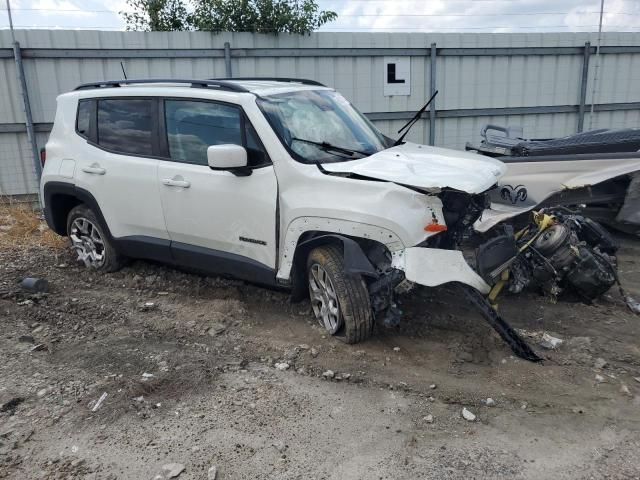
pixel 482 15
pixel 71 14
pixel 381 15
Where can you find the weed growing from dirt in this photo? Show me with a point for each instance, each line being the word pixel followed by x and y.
pixel 22 226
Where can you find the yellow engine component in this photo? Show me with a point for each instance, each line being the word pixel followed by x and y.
pixel 542 221
pixel 497 288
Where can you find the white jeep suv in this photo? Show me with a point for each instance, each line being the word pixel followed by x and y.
pixel 278 182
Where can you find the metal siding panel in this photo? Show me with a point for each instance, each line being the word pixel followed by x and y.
pixel 11 110
pixel 17 176
pixel 464 82
pixel 619 78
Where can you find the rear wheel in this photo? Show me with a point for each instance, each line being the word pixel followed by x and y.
pixel 340 301
pixel 89 241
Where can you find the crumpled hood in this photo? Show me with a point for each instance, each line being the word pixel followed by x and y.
pixel 426 167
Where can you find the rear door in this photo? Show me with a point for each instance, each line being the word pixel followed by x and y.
pixel 216 220
pixel 118 165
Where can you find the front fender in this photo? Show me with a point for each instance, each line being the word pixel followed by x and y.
pixel 329 226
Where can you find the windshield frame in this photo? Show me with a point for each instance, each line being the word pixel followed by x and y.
pixel 385 141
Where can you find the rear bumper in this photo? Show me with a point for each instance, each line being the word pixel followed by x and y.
pixel 433 266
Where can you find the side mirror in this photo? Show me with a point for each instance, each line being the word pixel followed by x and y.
pixel 227 157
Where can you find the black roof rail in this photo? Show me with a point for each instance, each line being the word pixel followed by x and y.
pixel 221 84
pixel 304 81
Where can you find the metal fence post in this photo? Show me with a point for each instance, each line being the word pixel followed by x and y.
pixel 227 60
pixel 432 89
pixel 17 55
pixel 583 85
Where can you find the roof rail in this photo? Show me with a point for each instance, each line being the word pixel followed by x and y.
pixel 221 84
pixel 304 81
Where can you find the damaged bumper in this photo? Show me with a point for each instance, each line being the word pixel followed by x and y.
pixel 433 266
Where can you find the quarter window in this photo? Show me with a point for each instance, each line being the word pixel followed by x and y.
pixel 84 118
pixel 125 125
pixel 256 154
pixel 194 126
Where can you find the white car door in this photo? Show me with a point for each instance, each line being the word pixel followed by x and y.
pixel 217 220
pixel 116 166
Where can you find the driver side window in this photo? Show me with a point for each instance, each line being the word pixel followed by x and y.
pixel 193 126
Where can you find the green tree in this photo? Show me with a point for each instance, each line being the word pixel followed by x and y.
pixel 260 16
pixel 156 15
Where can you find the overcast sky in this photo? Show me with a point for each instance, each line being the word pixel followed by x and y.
pixel 375 15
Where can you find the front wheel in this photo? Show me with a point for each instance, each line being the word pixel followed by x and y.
pixel 340 301
pixel 89 241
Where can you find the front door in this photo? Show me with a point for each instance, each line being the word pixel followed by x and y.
pixel 217 221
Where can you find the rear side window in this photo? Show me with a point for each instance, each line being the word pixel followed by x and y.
pixel 126 126
pixel 83 120
pixel 193 126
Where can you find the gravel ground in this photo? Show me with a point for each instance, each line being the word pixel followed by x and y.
pixel 228 380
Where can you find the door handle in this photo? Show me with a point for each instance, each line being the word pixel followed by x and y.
pixel 94 169
pixel 170 182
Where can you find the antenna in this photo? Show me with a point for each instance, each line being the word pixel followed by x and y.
pixel 121 66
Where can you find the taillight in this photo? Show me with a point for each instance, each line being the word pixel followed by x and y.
pixel 43 156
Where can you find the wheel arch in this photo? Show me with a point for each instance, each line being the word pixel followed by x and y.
pixel 353 249
pixel 60 198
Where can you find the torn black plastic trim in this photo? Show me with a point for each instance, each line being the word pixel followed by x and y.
pixel 518 345
pixel 355 260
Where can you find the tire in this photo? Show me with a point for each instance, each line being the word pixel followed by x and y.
pixel 354 320
pixel 87 235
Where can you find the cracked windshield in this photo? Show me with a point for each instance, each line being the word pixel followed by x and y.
pixel 321 126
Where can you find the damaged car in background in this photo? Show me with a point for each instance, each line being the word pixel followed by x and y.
pixel 597 171
pixel 284 183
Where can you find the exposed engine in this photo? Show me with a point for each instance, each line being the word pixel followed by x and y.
pixel 460 211
pixel 559 251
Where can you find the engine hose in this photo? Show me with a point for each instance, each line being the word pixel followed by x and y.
pixel 517 344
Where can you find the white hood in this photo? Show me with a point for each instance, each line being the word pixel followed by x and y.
pixel 426 167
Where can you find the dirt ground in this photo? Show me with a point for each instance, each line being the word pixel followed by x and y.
pixel 214 374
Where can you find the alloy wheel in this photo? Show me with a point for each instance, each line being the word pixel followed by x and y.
pixel 87 241
pixel 324 300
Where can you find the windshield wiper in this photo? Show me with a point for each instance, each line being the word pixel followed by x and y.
pixel 328 147
pixel 415 118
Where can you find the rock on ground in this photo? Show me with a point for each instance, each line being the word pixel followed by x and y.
pixel 467 415
pixel 172 470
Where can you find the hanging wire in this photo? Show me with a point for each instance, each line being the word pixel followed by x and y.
pixel 597 66
pixel 13 35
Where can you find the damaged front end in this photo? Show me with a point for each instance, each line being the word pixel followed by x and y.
pixel 438 261
pixel 559 252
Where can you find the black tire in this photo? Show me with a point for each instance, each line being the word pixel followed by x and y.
pixel 353 297
pixel 112 260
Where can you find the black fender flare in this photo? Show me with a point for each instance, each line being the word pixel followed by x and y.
pixel 355 261
pixel 51 189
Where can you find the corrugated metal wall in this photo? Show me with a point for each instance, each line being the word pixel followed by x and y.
pixel 474 86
